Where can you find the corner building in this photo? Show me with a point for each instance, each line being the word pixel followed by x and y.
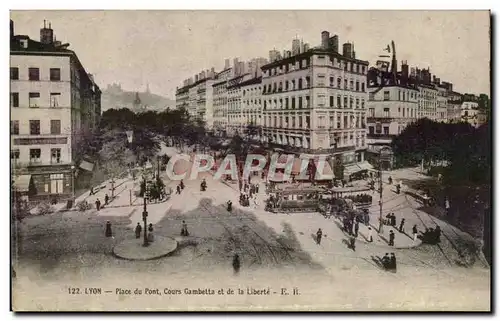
pixel 54 104
pixel 314 102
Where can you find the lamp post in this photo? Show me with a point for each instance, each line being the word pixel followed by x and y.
pixel 72 185
pixel 145 212
pixel 383 155
pixel 130 138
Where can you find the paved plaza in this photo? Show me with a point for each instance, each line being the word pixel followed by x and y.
pixel 75 241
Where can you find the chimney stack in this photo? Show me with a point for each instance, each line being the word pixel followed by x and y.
pixel 46 34
pixel 226 64
pixel 347 50
pixel 333 44
pixel 325 36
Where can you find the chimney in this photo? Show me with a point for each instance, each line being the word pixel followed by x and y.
pixel 333 44
pixel 226 64
pixel 236 67
pixel 46 34
pixel 325 35
pixel 195 78
pixel 347 50
pixel 242 68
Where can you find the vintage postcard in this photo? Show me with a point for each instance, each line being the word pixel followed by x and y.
pixel 250 160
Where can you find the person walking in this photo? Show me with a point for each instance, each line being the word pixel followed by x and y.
pixel 98 205
pixel 319 235
pixel 109 232
pixel 447 206
pixel 236 264
pixel 106 199
pixel 415 232
pixel 391 238
pixel 178 189
pixel 181 184
pixel 386 261
pixel 150 233
pixel 257 188
pixel 393 220
pixel 138 230
pixel 370 236
pixel 91 190
pixel 184 229
pixel 401 226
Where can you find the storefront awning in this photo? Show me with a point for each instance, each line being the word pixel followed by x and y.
pixel 87 166
pixel 327 171
pixel 22 183
pixel 358 167
pixel 365 166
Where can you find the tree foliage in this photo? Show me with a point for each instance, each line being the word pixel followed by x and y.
pixel 466 149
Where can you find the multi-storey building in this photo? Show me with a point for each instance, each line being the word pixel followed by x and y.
pixel 252 101
pixel 442 104
pixel 469 112
pixel 454 107
pixel 315 102
pixel 390 110
pixel 196 96
pixel 55 104
pixel 427 102
pixel 220 96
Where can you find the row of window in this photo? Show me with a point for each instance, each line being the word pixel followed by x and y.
pixel 290 122
pixel 348 102
pixel 34 100
pixel 407 112
pixel 36 155
pixel 34 74
pixel 55 127
pixel 299 84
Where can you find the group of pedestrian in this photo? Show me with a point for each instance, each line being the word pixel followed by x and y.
pixel 389 262
pixel 351 226
pixel 138 231
pixel 180 187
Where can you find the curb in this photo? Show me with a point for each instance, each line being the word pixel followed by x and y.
pixel 158 256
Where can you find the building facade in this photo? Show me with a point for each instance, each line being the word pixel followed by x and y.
pixel 469 112
pixel 54 104
pixel 390 110
pixel 427 102
pixel 315 102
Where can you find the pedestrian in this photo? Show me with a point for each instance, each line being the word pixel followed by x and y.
pixel 108 233
pixel 353 243
pixel 393 265
pixel 240 184
pixel 356 228
pixel 401 226
pixel 415 232
pixel 106 199
pixel 370 236
pixel 447 206
pixel 438 233
pixel 184 229
pixel 393 220
pixel 257 188
pixel 150 233
pixel 182 184
pixel 178 189
pixel 98 204
pixel 236 264
pixel 230 205
pixel 391 238
pixel 138 230
pixel 91 190
pixel 386 261
pixel 319 235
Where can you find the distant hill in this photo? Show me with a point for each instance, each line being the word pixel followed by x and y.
pixel 114 97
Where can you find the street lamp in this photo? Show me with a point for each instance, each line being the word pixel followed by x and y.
pixel 72 185
pixel 130 139
pixel 384 154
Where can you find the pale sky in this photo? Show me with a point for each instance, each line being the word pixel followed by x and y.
pixel 163 48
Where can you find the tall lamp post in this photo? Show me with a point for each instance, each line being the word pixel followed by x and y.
pixel 72 185
pixel 384 154
pixel 130 138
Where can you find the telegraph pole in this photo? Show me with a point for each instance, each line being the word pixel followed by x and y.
pixel 145 213
pixel 381 222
